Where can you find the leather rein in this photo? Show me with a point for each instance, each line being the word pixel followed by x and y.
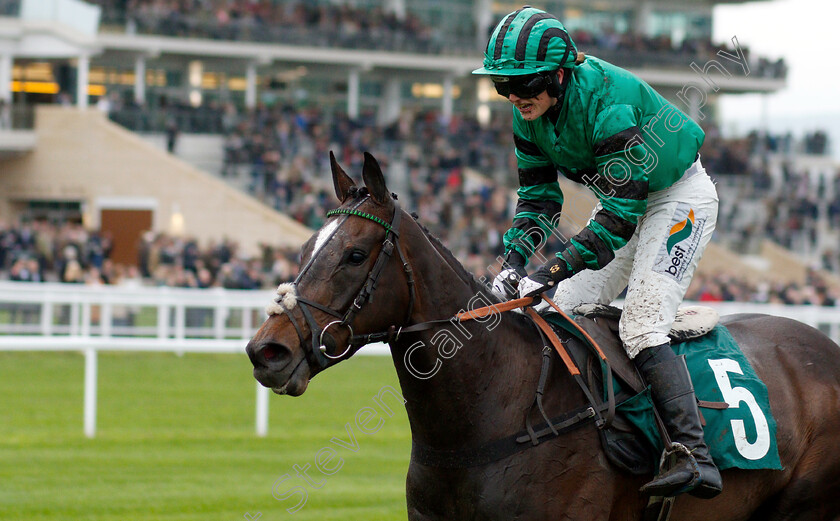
pixel 320 357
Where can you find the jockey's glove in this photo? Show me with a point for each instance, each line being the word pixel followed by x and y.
pixel 507 281
pixel 546 277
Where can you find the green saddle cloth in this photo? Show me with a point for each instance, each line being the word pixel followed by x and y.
pixel 741 436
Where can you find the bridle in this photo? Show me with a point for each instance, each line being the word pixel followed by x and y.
pixel 319 355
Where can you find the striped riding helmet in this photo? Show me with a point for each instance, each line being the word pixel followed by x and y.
pixel 528 41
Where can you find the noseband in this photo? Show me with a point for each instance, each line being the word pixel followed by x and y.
pixel 319 355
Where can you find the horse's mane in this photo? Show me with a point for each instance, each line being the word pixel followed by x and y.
pixel 474 283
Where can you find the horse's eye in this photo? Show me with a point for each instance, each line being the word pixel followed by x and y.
pixel 356 257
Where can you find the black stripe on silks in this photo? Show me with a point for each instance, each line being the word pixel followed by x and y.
pixel 537 176
pixel 525 33
pixel 615 224
pixel 535 234
pixel 617 142
pixel 625 189
pixel 581 176
pixel 500 38
pixel 635 190
pixel 593 243
pixel 551 209
pixel 554 32
pixel 573 258
pixel 526 147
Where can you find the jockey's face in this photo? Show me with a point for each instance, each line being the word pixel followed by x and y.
pixel 533 107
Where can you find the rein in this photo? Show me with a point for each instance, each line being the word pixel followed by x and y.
pixel 365 294
pixel 601 414
pixel 320 357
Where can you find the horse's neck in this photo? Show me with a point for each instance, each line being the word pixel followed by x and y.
pixel 465 382
pixel 461 382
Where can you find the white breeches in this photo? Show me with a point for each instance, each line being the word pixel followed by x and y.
pixel 656 265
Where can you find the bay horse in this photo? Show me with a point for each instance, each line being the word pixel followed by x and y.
pixel 373 272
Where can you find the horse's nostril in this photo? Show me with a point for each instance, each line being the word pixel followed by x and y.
pixel 273 353
pixel 269 353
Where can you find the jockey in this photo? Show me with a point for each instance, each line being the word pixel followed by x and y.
pixel 603 127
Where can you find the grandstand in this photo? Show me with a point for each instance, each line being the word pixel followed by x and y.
pixel 254 94
pixel 162 161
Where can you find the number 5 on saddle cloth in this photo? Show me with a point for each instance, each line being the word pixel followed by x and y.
pixel 742 435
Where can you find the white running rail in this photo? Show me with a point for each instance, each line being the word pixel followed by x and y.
pixel 89 319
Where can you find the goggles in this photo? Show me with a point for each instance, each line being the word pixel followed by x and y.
pixel 529 86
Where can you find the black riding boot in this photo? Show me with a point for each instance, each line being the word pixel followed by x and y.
pixel 673 394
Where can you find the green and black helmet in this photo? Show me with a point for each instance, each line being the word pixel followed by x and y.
pixel 528 41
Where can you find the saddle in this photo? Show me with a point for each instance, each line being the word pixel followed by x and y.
pixel 604 373
pixel 624 444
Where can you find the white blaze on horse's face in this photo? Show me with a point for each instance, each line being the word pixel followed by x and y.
pixel 323 236
pixel 286 293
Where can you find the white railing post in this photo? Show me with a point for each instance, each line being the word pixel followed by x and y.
pixel 90 392
pixel 247 323
pixel 180 321
pixel 74 317
pixel 106 318
pixel 180 325
pixel 87 319
pixel 219 318
pixel 46 316
pixel 162 320
pixel 262 410
pixel 171 333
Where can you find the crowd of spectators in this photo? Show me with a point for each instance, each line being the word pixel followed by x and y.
pixel 634 50
pixel 41 251
pixel 169 113
pixel 282 153
pixel 38 251
pixel 295 23
pixel 725 287
pixel 346 26
pixel 760 199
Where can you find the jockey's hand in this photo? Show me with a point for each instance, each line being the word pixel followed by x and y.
pixel 545 278
pixel 507 281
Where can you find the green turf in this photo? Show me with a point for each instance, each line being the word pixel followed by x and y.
pixel 176 441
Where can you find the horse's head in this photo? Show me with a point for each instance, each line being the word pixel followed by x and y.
pixel 354 281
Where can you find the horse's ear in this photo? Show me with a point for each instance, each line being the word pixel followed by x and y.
pixel 374 180
pixel 341 181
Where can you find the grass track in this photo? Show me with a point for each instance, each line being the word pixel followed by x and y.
pixel 176 441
